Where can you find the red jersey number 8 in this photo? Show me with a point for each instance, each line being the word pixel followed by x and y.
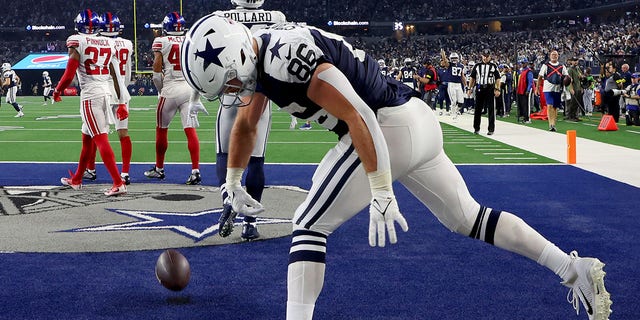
pixel 123 56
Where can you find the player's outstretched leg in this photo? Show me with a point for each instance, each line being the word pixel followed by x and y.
pixel 450 201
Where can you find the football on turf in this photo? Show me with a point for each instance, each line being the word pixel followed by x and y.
pixel 566 80
pixel 172 270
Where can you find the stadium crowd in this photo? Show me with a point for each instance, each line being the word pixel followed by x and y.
pixel 305 10
pixel 619 35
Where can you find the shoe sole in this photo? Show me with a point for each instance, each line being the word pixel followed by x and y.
pixel 602 297
pixel 70 185
pixel 152 177
pixel 227 225
pixel 249 238
pixel 193 183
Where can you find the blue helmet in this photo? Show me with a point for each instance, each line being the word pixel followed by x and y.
pixel 524 60
pixel 173 24
pixel 110 25
pixel 87 22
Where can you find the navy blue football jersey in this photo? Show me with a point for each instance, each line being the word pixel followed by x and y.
pixel 290 54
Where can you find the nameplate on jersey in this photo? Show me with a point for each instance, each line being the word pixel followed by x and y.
pixel 249 17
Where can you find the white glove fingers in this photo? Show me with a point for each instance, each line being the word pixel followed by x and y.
pixel 402 222
pixel 391 228
pixel 372 233
pixel 381 234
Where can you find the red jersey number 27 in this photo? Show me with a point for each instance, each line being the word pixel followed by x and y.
pixel 98 58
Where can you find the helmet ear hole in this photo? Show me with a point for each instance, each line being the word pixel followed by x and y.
pixel 243 58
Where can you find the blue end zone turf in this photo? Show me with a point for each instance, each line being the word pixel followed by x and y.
pixel 430 274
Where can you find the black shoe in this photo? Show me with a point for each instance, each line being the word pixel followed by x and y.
pixel 552 129
pixel 249 231
pixel 225 223
pixel 126 179
pixel 89 175
pixel 490 133
pixel 155 173
pixel 194 179
pixel 476 132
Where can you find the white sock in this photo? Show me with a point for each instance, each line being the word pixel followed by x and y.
pixel 298 311
pixel 195 170
pixel 558 261
pixel 304 283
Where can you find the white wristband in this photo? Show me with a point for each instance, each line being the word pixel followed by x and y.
pixel 380 181
pixel 234 177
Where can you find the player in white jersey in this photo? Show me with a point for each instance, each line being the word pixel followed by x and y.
pixel 385 133
pixel 249 14
pixel 10 82
pixel 124 52
pixel 47 88
pixel 91 58
pixel 174 96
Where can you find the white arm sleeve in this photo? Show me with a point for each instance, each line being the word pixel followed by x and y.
pixel 124 92
pixel 338 80
pixel 157 80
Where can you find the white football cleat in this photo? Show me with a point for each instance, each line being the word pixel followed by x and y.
pixel 588 287
pixel 69 183
pixel 115 191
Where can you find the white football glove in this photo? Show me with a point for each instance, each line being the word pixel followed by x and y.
pixel 384 211
pixel 241 201
pixel 194 108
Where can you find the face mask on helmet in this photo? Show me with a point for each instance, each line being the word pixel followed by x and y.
pixel 173 24
pixel 45 74
pixel 381 63
pixel 454 58
pixel 252 4
pixel 220 64
pixel 87 22
pixel 110 25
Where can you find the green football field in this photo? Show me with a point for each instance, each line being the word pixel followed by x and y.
pixel 51 133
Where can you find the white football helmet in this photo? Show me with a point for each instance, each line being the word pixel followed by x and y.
pixel 218 60
pixel 408 61
pixel 381 62
pixel 252 4
pixel 6 66
pixel 45 73
pixel 454 57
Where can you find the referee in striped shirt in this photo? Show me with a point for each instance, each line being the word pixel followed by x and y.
pixel 485 79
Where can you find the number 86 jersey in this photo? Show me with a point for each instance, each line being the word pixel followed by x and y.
pixel 289 55
pixel 95 56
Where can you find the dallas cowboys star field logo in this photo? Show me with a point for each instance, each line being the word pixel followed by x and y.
pixel 195 225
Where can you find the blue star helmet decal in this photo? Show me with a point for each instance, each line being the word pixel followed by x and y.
pixel 210 55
